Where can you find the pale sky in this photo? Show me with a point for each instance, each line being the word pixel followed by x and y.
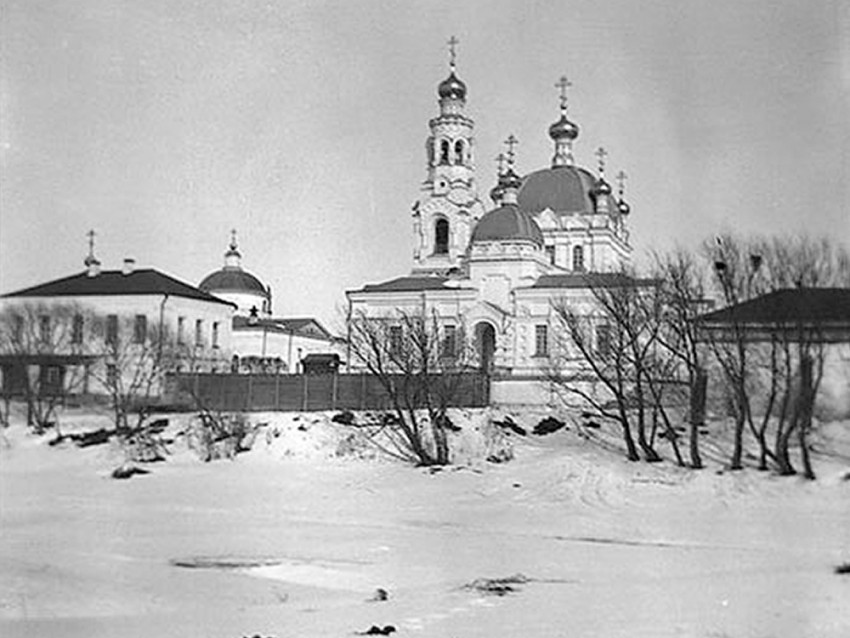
pixel 164 124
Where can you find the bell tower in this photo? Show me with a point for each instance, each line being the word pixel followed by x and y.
pixel 449 205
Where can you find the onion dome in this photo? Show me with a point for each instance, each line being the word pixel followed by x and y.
pixel 507 223
pixel 623 208
pixel 563 129
pixel 232 278
pixel 497 192
pixel 601 188
pixel 452 88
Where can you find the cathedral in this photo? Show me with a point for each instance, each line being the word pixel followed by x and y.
pixel 553 234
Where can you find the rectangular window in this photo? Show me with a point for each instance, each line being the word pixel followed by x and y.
pixel 215 334
pixel 19 329
pixel 44 328
pixel 541 341
pixel 199 332
pixel 77 327
pixel 111 375
pixel 140 329
pixel 181 330
pixel 550 251
pixel 603 340
pixel 112 329
pixel 395 340
pixel 450 342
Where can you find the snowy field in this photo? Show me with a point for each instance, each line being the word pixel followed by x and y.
pixel 294 538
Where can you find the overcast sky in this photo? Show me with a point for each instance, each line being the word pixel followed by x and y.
pixel 164 124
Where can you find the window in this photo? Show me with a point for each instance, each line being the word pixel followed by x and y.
pixel 140 329
pixel 603 340
pixel 111 375
pixel 578 258
pixel 215 334
pixel 450 341
pixel 550 252
pixel 44 328
pixel 444 152
pixel 112 329
pixel 77 327
pixel 19 329
pixel 541 341
pixel 199 332
pixel 458 152
pixel 395 340
pixel 441 237
pixel 181 330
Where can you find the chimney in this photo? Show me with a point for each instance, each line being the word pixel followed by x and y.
pixel 129 266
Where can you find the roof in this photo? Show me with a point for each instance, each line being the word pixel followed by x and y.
pixel 306 326
pixel 230 279
pixel 562 189
pixel 590 280
pixel 408 284
pixel 788 306
pixel 114 282
pixel 507 223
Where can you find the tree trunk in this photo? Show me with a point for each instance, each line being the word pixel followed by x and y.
pixel 740 420
pixel 807 404
pixel 697 414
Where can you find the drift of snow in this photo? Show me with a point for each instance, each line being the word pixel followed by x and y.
pixel 294 538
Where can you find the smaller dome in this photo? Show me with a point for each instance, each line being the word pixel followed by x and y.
pixel 510 180
pixel 623 207
pixel 563 129
pixel 233 280
pixel 496 192
pixel 507 223
pixel 601 187
pixel 452 87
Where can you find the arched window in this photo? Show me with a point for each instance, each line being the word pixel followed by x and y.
pixel 441 237
pixel 578 258
pixel 444 152
pixel 459 152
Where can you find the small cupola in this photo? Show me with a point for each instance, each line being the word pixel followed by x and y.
pixel 91 262
pixel 563 132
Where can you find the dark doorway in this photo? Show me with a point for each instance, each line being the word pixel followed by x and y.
pixel 485 345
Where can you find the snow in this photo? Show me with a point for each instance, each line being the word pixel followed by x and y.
pixel 294 537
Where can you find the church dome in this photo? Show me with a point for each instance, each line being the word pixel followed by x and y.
pixel 452 87
pixel 230 279
pixel 562 189
pixel 507 223
pixel 563 129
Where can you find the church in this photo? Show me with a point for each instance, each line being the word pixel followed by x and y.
pixel 261 342
pixel 553 234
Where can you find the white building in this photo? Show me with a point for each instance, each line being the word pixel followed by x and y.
pixel 99 323
pixel 552 234
pixel 262 342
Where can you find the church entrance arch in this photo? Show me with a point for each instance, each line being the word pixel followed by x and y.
pixel 485 345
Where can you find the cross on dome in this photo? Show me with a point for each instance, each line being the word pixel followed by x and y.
pixel 233 244
pixel 601 153
pixel 621 182
pixel 510 143
pixel 563 84
pixel 501 158
pixel 91 260
pixel 453 42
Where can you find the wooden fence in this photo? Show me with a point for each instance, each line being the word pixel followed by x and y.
pixel 302 392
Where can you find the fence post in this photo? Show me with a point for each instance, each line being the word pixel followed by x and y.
pixel 334 391
pixel 250 388
pixel 304 393
pixel 362 391
pixel 277 392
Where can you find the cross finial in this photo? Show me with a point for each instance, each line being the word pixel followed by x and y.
pixel 453 42
pixel 233 239
pixel 511 142
pixel 601 153
pixel 91 234
pixel 500 160
pixel 563 84
pixel 621 181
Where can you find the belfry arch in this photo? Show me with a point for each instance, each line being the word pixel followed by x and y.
pixel 441 236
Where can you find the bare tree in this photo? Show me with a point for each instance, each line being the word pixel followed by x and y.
pixel 614 347
pixel 420 365
pixel 42 355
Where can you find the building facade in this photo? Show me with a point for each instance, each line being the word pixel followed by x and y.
pixel 551 236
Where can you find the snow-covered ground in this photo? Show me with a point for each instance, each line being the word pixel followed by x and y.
pixel 293 539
